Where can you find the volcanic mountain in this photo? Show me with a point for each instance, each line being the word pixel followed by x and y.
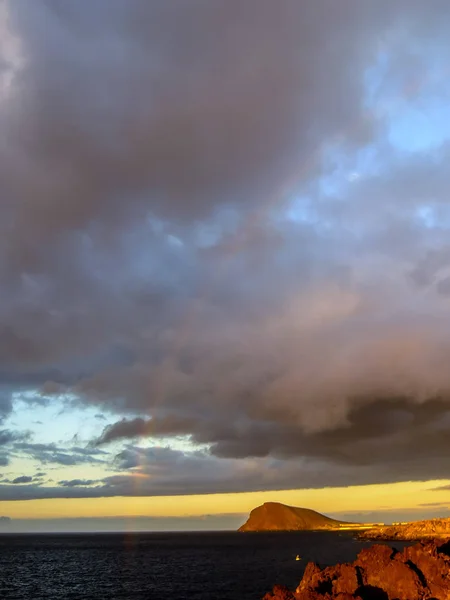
pixel 273 516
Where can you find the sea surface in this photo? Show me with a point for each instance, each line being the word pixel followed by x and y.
pixel 178 566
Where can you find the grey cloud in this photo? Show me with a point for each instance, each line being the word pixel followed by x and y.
pixel 5 402
pixel 22 479
pixel 160 471
pixel 383 440
pixel 76 482
pixel 199 473
pixel 376 432
pixel 128 459
pixel 425 271
pixel 443 286
pixel 441 488
pixel 157 456
pixel 173 147
pixel 68 456
pixel 8 436
pixel 169 425
pixel 8 439
pixel 148 265
pixel 36 492
pixel 88 451
pixel 217 129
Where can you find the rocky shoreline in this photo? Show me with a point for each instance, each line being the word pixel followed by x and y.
pixel 415 530
pixel 418 572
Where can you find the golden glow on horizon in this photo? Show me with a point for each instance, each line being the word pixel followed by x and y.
pixel 326 500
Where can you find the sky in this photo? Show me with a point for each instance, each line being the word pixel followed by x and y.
pixel 224 261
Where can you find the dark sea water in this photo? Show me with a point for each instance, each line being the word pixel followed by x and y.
pixel 178 566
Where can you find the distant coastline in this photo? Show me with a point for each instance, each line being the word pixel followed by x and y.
pixel 410 531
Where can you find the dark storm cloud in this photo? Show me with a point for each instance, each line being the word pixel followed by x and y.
pixel 168 130
pixel 387 431
pixel 215 112
pixel 189 118
pixel 147 264
pixel 376 432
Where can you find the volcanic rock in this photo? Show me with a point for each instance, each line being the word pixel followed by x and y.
pixel 420 572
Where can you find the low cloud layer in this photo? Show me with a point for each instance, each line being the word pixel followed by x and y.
pixel 226 223
pixel 125 524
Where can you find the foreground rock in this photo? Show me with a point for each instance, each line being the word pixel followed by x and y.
pixel 420 572
pixel 274 516
pixel 416 530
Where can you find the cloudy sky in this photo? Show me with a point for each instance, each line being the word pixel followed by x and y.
pixel 224 257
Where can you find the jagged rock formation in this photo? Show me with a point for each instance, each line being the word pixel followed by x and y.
pixel 420 572
pixel 416 530
pixel 273 516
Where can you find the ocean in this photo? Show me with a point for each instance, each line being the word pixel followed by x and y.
pixel 176 566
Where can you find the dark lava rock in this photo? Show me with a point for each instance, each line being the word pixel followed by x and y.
pixel 280 592
pixel 419 572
